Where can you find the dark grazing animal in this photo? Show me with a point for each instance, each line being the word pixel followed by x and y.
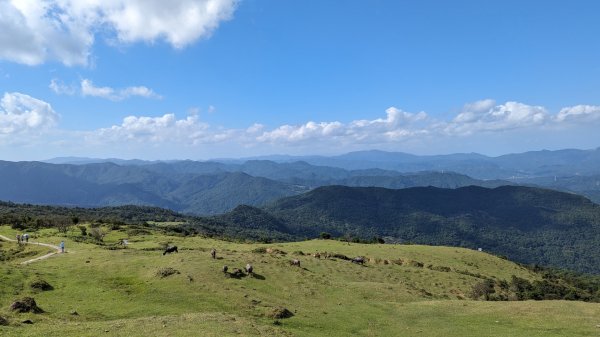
pixel 237 273
pixel 170 250
pixel 295 262
pixel 358 259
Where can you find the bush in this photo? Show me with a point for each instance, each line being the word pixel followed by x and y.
pixel 97 234
pixel 83 230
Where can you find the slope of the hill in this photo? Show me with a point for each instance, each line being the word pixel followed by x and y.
pixel 105 289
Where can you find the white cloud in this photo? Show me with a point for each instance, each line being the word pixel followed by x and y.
pixel 35 31
pixel 89 89
pixel 579 113
pixel 481 126
pixel 398 124
pixel 484 116
pixel 166 128
pixel 32 32
pixel 60 88
pixel 20 113
pixel 177 22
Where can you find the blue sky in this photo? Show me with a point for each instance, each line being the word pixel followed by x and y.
pixel 202 79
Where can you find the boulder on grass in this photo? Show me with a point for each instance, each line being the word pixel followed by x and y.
pixel 41 285
pixel 27 304
pixel 280 312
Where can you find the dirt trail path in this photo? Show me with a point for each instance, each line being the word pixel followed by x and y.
pixel 57 248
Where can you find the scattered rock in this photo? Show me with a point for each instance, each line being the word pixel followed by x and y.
pixel 27 304
pixel 259 250
pixel 275 251
pixel 3 321
pixel 27 321
pixel 280 312
pixel 166 272
pixel 41 285
pixel 74 313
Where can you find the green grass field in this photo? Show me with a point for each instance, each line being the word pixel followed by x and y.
pixel 118 293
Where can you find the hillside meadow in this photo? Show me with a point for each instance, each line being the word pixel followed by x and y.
pixel 403 290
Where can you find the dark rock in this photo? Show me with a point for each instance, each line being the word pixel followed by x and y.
pixel 165 272
pixel 280 312
pixel 3 321
pixel 27 304
pixel 41 285
pixel 27 321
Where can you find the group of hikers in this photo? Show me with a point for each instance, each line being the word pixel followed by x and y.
pixel 22 238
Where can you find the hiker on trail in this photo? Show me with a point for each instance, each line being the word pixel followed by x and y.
pixel 62 246
pixel 18 238
pixel 25 237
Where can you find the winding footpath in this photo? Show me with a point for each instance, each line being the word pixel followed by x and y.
pixel 43 257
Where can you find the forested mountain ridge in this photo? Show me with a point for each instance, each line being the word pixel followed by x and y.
pixel 193 187
pixel 528 225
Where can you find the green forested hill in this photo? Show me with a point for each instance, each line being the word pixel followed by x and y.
pixel 529 225
pixel 526 224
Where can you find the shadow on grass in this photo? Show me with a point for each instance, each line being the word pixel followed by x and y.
pixel 257 276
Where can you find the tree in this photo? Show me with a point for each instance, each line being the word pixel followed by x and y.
pixel 63 226
pixel 325 236
pixel 484 288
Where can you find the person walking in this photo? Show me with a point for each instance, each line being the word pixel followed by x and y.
pixel 19 239
pixel 62 246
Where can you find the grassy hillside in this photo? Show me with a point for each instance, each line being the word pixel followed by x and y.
pixel 116 291
pixel 528 225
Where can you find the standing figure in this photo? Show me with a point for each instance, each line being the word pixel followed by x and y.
pixel 62 246
pixel 213 253
pixel 26 237
pixel 19 238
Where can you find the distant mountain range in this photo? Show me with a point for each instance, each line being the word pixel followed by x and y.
pixel 570 170
pixel 520 165
pixel 568 162
pixel 193 187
